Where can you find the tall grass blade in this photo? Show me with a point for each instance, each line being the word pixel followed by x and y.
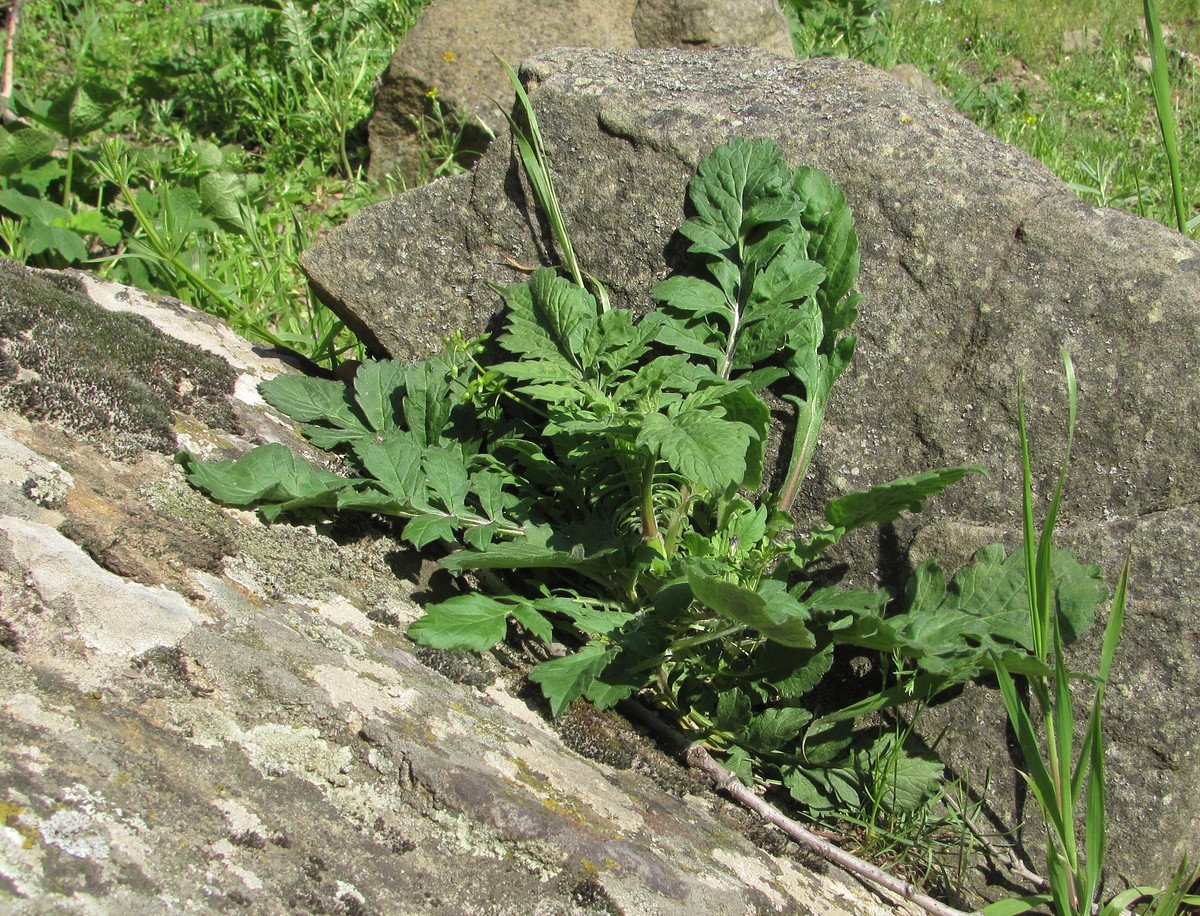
pixel 1162 106
pixel 534 161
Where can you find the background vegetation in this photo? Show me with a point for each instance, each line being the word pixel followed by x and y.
pixel 196 148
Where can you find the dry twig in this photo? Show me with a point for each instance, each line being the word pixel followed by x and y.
pixel 726 781
pixel 6 75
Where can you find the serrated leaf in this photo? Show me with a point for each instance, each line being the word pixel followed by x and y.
pixel 472 622
pixel 80 109
pixel 703 448
pixel 425 529
pixel 887 502
pixel 773 728
pixel 40 237
pixel 521 554
pixel 42 211
pixel 738 186
pixel 533 621
pixel 741 764
pixel 984 612
pixel 564 311
pixel 22 146
pixel 777 617
pixel 396 464
pixel 427 402
pixel 822 789
pixel 692 295
pixel 312 400
pixel 447 478
pixel 563 680
pixel 267 473
pixel 220 196
pixel 733 711
pixel 379 386
pixel 901 778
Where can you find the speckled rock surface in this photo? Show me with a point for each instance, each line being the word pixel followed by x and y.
pixel 452 52
pixel 199 713
pixel 977 265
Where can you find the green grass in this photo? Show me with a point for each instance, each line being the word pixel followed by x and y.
pixel 240 132
pixel 244 124
pixel 1088 115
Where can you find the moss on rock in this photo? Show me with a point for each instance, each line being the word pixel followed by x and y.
pixel 109 376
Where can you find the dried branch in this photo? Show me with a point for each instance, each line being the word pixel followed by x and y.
pixel 726 781
pixel 6 75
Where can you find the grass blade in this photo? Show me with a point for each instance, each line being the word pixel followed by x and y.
pixel 1162 106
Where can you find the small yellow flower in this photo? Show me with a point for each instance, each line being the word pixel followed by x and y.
pixel 449 57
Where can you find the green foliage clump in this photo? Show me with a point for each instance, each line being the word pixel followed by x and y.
pixel 604 479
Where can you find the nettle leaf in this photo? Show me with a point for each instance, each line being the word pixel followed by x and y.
pixel 80 109
pixel 564 680
pixel 702 447
pixel 887 502
pixel 378 387
pixel 472 622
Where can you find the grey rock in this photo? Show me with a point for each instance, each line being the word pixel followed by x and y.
pixel 703 24
pixel 202 713
pixel 918 80
pixel 977 265
pixel 453 48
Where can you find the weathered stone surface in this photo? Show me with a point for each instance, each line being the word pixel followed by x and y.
pixel 977 265
pixel 452 51
pixel 703 24
pixel 201 713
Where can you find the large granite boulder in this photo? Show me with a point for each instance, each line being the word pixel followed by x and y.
pixel 451 56
pixel 201 713
pixel 977 265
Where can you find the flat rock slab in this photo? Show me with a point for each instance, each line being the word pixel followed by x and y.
pixel 201 713
pixel 977 266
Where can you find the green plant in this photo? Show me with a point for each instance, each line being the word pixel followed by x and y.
pixel 1162 106
pixel 1055 779
pixel 847 28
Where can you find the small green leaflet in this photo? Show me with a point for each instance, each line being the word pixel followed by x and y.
pixel 565 679
pixel 269 474
pixel 699 445
pixel 777 616
pixel 887 502
pixel 901 777
pixel 472 622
